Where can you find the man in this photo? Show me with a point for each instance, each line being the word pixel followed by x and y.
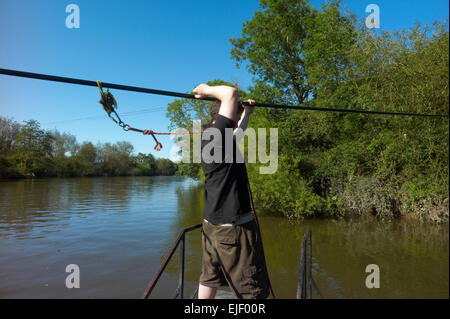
pixel 232 248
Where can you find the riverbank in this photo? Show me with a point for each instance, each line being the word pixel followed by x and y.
pixel 423 212
pixel 299 194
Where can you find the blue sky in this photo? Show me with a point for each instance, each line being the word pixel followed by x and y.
pixel 168 45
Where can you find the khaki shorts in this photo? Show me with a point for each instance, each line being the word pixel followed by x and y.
pixel 232 256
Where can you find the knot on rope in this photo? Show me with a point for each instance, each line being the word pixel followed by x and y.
pixel 158 145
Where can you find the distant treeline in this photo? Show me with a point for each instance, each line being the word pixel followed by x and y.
pixel 26 150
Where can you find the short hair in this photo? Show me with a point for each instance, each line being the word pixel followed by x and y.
pixel 214 108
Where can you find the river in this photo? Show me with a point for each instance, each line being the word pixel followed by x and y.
pixel 116 230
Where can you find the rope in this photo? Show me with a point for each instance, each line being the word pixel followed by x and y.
pixel 158 145
pixel 109 104
pixel 259 231
pixel 53 78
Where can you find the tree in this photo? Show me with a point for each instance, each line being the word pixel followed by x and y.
pixel 272 43
pixel 27 150
pixel 165 167
pixel 333 162
pixel 115 159
pixel 146 163
pixel 33 150
pixel 9 130
pixel 63 144
pixel 87 159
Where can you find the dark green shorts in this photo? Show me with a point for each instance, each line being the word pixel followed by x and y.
pixel 232 256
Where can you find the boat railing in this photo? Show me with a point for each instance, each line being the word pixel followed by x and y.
pixel 305 280
pixel 180 289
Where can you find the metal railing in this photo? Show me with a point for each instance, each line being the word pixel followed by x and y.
pixel 305 279
pixel 180 289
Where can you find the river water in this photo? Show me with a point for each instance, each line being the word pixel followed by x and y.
pixel 116 230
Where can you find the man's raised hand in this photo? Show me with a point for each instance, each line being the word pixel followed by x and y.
pixel 200 91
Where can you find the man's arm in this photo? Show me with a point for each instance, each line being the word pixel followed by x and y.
pixel 227 95
pixel 243 122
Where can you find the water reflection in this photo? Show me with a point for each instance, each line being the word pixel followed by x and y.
pixel 413 257
pixel 118 229
pixel 44 203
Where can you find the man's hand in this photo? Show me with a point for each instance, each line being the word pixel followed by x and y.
pixel 243 122
pixel 200 91
pixel 249 108
pixel 227 95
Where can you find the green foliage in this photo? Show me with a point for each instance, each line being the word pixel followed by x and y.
pixel 334 163
pixel 337 163
pixel 285 191
pixel 32 148
pixel 272 42
pixel 29 151
pixel 369 195
pixel 146 164
pixel 165 167
pixel 193 170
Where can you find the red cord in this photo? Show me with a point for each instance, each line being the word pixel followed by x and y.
pixel 158 145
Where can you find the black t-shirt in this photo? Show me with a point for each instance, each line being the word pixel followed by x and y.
pixel 226 194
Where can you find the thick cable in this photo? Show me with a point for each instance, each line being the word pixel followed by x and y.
pixel 47 77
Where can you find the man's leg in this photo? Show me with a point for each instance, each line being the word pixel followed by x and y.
pixel 211 275
pixel 243 263
pixel 205 292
